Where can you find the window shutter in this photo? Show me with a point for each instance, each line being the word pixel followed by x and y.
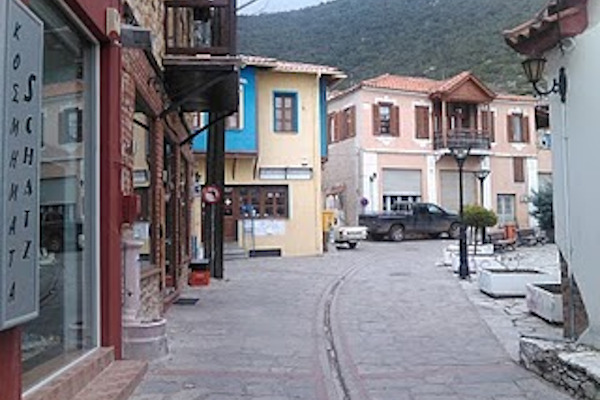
pixel 62 128
pixel 352 122
pixel 487 124
pixel 422 122
pixel 338 127
pixel 395 121
pixel 525 128
pixel 509 126
pixel 519 170
pixel 79 125
pixel 330 121
pixel 376 121
pixel 492 126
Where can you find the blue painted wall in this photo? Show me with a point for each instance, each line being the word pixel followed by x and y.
pixel 323 116
pixel 244 140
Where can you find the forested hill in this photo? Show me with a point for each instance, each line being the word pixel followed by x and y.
pixel 365 38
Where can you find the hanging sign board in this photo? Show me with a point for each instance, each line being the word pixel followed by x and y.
pixel 21 52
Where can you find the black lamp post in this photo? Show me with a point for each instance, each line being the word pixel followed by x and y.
pixel 460 154
pixel 534 71
pixel 481 175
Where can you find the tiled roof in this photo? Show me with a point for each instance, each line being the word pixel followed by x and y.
pixel 515 97
pixel 407 83
pixel 557 21
pixel 294 67
pixel 427 86
pixel 422 85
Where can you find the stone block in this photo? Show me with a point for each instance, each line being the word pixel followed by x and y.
pixel 545 301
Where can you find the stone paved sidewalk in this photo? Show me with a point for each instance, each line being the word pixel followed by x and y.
pixel 402 328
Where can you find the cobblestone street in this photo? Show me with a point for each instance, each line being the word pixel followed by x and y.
pixel 381 322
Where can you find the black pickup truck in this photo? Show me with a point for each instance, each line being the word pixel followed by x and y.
pixel 411 218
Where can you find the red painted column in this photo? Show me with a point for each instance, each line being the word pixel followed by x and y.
pixel 110 196
pixel 10 364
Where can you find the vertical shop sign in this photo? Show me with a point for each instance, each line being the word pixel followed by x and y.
pixel 21 54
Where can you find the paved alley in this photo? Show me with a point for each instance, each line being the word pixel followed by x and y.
pixel 381 322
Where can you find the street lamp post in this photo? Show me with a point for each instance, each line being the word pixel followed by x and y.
pixel 481 175
pixel 460 154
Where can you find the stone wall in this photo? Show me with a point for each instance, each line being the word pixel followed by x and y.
pixel 572 367
pixel 150 14
pixel 151 298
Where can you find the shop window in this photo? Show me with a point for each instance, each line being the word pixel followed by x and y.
pixel 67 326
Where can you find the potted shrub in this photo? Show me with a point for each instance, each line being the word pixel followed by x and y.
pixel 543 211
pixel 477 217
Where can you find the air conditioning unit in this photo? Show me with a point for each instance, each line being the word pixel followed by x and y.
pixel 544 141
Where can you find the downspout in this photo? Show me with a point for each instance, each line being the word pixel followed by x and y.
pixel 318 161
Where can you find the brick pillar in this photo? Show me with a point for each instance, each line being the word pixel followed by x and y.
pixel 10 360
pixel 574 311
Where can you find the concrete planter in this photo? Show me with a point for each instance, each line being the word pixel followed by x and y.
pixel 545 301
pixel 145 340
pixel 498 282
pixel 476 263
pixel 453 249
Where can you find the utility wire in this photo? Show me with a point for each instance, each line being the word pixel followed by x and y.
pixel 249 3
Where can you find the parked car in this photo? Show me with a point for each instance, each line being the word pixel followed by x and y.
pixel 348 235
pixel 411 218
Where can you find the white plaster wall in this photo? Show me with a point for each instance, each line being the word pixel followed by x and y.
pixel 370 189
pixel 341 168
pixel 432 183
pixel 576 148
pixel 532 185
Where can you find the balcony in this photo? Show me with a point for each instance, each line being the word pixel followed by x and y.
pixel 473 138
pixel 195 27
pixel 201 66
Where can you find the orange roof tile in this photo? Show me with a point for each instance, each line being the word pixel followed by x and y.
pixel 408 83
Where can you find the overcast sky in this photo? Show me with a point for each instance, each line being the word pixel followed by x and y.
pixel 276 5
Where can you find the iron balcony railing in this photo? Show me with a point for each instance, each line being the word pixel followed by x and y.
pixel 473 138
pixel 197 27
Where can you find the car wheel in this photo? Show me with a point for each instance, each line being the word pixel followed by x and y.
pixel 397 233
pixel 352 245
pixel 454 231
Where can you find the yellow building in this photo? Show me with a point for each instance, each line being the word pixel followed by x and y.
pixel 275 145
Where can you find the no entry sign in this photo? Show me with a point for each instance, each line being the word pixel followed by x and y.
pixel 211 194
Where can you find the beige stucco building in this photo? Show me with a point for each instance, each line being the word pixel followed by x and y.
pixel 390 139
pixel 274 146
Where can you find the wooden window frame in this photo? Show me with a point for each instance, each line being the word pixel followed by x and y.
pixel 265 208
pixel 523 126
pixel 392 122
pixel 289 114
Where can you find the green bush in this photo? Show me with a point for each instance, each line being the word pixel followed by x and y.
pixel 543 212
pixel 479 217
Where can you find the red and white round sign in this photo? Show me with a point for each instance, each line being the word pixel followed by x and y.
pixel 211 194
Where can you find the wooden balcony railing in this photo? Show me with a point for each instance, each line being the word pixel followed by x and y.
pixel 194 27
pixel 476 139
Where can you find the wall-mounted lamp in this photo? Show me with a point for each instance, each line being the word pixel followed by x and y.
pixel 534 71
pixel 373 176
